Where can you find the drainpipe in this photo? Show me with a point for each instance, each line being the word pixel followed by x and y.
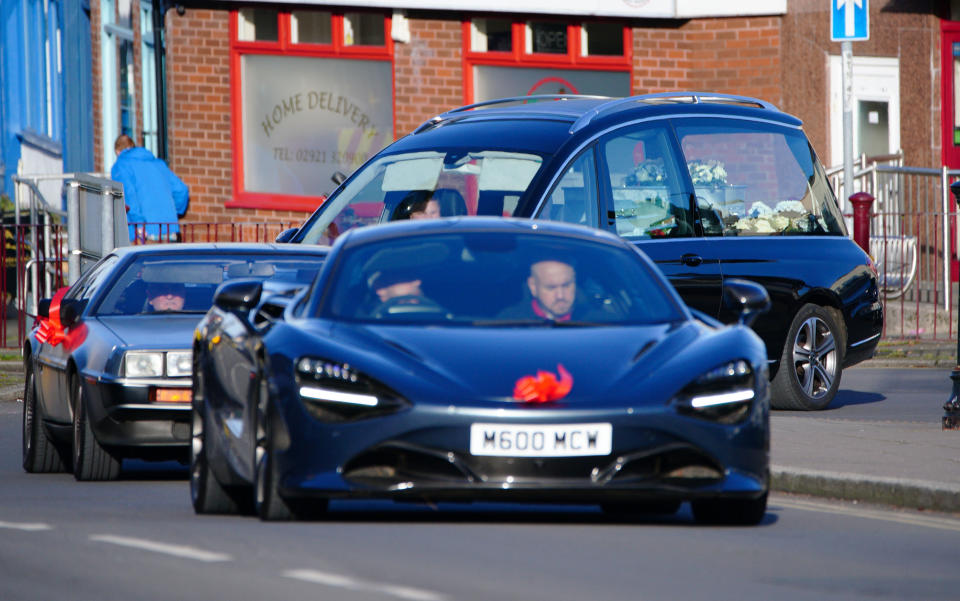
pixel 159 11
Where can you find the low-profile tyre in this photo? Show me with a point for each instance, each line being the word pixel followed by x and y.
pixel 731 512
pixel 270 506
pixel 90 460
pixel 39 453
pixel 206 492
pixel 653 507
pixel 812 360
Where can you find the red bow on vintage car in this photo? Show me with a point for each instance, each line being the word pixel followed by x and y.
pixel 49 329
pixel 544 387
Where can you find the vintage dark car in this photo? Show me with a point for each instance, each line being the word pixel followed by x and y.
pixel 108 367
pixel 711 187
pixel 473 359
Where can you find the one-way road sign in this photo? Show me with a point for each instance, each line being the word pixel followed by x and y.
pixel 849 20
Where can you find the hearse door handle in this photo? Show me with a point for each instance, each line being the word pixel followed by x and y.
pixel 691 260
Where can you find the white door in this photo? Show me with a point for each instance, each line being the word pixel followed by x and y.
pixel 876 107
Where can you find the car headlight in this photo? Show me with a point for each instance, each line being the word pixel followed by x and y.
pixel 335 392
pixel 179 363
pixel 724 394
pixel 156 364
pixel 143 364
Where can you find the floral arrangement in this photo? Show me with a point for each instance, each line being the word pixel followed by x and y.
pixel 646 173
pixel 707 173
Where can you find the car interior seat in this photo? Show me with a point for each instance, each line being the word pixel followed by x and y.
pixel 490 202
pixel 451 202
pixel 573 209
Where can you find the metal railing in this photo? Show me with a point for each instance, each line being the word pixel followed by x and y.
pixel 913 241
pixel 31 274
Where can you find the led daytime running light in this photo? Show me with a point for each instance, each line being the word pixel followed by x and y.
pixel 336 396
pixel 712 400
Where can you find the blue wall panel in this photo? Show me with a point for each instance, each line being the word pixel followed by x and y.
pixel 57 112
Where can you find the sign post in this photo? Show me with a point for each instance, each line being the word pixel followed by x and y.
pixel 849 22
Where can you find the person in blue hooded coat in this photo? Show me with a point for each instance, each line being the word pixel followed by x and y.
pixel 154 195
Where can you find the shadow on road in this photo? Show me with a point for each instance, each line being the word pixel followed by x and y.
pixel 134 469
pixel 848 398
pixel 385 512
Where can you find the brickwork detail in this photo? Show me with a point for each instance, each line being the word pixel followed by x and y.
pixel 199 118
pixel 428 72
pixel 731 55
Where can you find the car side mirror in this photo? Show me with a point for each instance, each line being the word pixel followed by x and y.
pixel 749 299
pixel 241 295
pixel 70 311
pixel 286 235
pixel 43 308
pixel 338 177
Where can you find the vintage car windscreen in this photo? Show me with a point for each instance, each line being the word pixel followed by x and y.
pixel 427 184
pixel 753 178
pixel 486 279
pixel 186 283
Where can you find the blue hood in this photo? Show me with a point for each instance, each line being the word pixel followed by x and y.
pixel 485 363
pixel 174 331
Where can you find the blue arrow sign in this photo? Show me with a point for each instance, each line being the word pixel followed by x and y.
pixel 849 20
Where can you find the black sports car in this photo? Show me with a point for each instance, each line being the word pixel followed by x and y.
pixel 108 366
pixel 472 359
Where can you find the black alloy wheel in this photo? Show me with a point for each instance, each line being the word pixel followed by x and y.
pixel 270 506
pixel 40 455
pixel 90 460
pixel 812 360
pixel 206 493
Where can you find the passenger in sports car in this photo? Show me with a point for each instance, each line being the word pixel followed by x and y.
pixel 166 296
pixel 553 290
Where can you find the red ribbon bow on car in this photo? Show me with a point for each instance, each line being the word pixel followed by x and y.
pixel 544 387
pixel 49 329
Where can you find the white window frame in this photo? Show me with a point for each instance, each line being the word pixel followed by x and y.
pixel 109 80
pixel 148 83
pixel 874 79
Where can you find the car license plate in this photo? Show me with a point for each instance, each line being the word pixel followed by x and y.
pixel 562 440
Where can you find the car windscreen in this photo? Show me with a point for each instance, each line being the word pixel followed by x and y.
pixel 427 184
pixel 496 279
pixel 185 283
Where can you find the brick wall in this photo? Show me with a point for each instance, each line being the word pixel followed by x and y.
pixel 909 33
pixel 732 56
pixel 661 59
pixel 199 118
pixel 428 72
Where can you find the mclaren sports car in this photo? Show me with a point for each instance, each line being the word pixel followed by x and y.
pixel 479 359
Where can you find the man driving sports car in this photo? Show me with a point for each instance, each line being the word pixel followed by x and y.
pixel 553 292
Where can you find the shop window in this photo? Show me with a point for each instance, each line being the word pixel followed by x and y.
pixel 311 27
pixel 363 29
pixel 546 37
pixel 601 39
pixel 314 99
pixel 491 35
pixel 258 25
pixel 524 58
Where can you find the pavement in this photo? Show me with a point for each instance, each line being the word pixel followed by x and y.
pixel 904 464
